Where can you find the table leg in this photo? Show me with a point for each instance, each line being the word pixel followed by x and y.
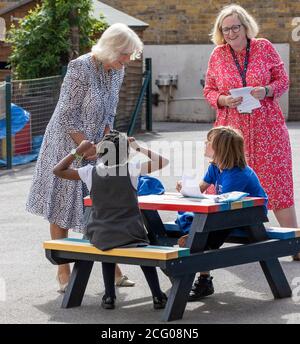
pixel 276 278
pixel 271 267
pixel 86 215
pixel 197 238
pixel 77 285
pixel 182 285
pixel 178 298
pixel 156 229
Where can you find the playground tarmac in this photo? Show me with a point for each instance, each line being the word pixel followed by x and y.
pixel 27 279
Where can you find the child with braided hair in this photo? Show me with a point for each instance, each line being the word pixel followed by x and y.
pixel 115 219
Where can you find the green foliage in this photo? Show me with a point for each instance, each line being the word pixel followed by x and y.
pixel 42 44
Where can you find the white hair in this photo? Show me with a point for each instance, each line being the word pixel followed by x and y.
pixel 117 39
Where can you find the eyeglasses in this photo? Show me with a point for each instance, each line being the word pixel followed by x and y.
pixel 233 28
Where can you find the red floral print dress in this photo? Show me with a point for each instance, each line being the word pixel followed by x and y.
pixel 267 144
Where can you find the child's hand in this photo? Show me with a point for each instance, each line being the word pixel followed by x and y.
pixel 179 186
pixel 133 144
pixel 90 154
pixel 182 240
pixel 84 146
pixel 87 149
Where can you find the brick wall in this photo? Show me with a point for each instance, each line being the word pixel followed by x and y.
pixel 190 21
pixel 18 12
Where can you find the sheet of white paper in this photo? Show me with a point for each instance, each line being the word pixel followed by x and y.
pixel 249 103
pixel 190 187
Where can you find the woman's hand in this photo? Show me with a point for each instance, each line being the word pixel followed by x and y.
pixel 231 102
pixel 182 240
pixel 179 186
pixel 106 130
pixel 259 93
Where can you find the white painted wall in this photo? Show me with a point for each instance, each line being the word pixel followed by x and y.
pixel 189 62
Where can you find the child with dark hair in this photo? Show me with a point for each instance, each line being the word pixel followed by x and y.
pixel 115 220
pixel 228 172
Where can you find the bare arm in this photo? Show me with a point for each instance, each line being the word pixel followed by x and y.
pixel 157 161
pixel 78 137
pixel 203 186
pixel 63 170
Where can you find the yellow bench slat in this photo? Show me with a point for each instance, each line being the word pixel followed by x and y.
pixel 147 252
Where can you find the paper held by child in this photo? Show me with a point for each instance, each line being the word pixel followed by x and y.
pixel 249 103
pixel 190 188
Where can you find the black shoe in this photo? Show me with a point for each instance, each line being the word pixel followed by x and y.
pixel 108 302
pixel 201 288
pixel 160 302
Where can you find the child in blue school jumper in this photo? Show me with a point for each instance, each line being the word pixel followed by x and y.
pixel 115 219
pixel 228 171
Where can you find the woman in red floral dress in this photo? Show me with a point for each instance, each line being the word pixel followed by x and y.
pixel 240 60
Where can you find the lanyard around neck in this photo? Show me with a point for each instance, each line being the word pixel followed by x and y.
pixel 243 71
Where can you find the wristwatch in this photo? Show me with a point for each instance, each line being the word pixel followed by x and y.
pixel 76 155
pixel 267 90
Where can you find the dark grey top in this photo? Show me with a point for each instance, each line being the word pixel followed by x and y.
pixel 115 219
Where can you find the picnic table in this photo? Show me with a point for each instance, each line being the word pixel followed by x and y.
pixel 247 215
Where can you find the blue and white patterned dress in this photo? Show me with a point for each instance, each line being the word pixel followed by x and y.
pixel 87 103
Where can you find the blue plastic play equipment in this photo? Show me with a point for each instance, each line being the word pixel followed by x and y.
pixel 19 118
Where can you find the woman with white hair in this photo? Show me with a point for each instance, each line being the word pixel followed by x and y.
pixel 85 110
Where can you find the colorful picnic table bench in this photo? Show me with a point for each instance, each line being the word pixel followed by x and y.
pixel 247 216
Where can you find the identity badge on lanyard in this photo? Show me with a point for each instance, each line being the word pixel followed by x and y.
pixel 243 71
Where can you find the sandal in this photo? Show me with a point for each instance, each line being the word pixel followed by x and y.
pixel 123 281
pixel 62 286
